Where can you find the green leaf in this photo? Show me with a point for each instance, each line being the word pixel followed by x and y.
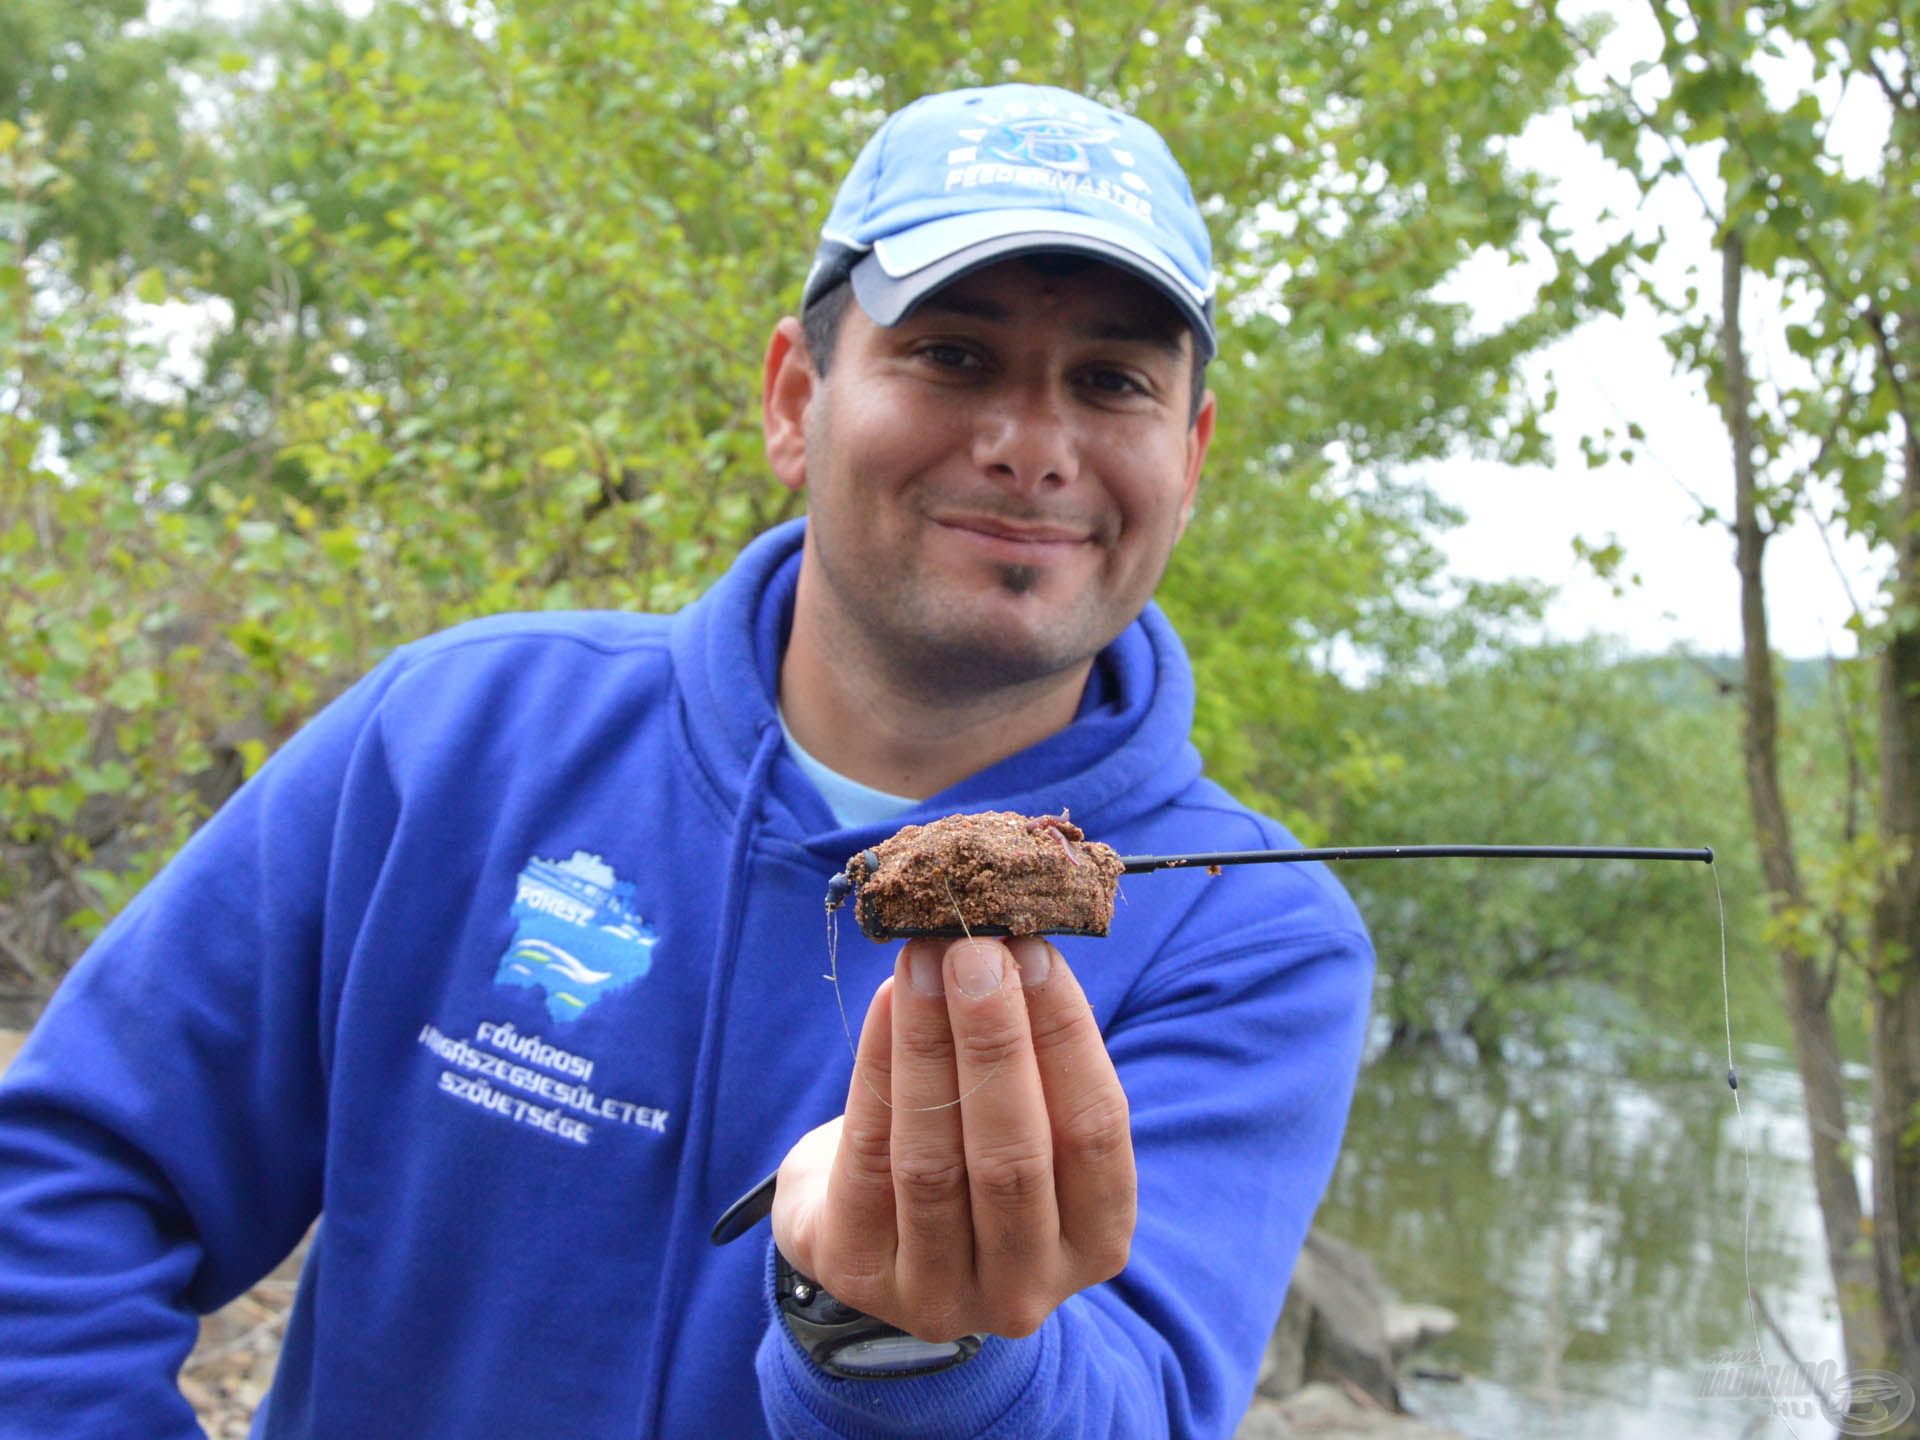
pixel 135 689
pixel 112 778
pixel 253 754
pixel 340 545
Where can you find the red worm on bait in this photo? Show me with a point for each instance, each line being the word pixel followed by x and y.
pixel 1057 825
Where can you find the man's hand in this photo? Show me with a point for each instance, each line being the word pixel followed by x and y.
pixel 947 1219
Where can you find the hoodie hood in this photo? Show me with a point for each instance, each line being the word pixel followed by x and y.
pixel 1127 752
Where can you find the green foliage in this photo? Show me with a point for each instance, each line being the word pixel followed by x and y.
pixel 90 711
pixel 107 99
pixel 1562 745
pixel 150 649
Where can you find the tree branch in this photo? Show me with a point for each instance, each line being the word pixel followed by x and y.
pixel 29 967
pixel 1665 469
pixel 1642 118
pixel 1779 1334
pixel 1900 97
pixel 1126 54
pixel 1870 311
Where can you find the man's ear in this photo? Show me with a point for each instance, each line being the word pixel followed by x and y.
pixel 1199 437
pixel 787 389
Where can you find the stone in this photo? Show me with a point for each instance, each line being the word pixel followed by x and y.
pixel 1333 1326
pixel 1263 1421
pixel 1414 1327
pixel 1284 1368
pixel 1321 1402
pixel 1328 1412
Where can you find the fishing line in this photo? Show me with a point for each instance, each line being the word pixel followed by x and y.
pixel 833 974
pixel 1746 1143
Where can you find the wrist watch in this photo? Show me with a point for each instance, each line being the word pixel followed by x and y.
pixel 852 1345
pixel 846 1343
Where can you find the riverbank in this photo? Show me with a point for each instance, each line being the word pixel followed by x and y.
pixel 1322 1411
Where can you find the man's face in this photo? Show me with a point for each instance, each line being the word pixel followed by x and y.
pixel 995 484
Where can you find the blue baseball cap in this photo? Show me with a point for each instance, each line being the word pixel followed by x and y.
pixel 957 181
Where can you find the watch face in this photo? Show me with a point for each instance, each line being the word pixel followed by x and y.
pixel 900 1355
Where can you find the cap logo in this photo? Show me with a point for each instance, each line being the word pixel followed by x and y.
pixel 1057 144
pixel 1051 152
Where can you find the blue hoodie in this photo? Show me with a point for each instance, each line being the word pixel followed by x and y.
pixel 508 968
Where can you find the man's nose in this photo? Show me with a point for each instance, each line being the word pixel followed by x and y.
pixel 1025 436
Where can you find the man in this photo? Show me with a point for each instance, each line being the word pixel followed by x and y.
pixel 508 968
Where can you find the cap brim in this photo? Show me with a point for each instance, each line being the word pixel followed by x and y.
pixel 888 285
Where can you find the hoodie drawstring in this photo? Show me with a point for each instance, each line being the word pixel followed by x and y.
pixel 686 1236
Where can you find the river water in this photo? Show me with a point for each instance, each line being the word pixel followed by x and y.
pixel 1586 1221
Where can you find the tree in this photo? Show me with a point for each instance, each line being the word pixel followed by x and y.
pixel 102 720
pixel 1546 742
pixel 106 98
pixel 1840 436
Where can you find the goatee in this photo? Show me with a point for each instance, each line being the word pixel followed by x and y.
pixel 1019 579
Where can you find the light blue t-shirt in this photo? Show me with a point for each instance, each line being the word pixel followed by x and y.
pixel 851 802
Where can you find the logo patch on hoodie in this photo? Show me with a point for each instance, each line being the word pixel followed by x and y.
pixel 577 936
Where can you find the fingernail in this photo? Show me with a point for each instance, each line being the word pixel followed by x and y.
pixel 1034 956
pixel 978 966
pixel 923 968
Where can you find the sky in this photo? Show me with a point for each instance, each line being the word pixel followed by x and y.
pixel 1523 522
pixel 1677 586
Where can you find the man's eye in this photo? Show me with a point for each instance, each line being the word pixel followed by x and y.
pixel 1114 382
pixel 952 357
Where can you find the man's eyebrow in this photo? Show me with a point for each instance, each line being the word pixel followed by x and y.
pixel 1143 332
pixel 971 307
pixel 976 307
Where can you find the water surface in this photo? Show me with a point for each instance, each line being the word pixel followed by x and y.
pixel 1585 1221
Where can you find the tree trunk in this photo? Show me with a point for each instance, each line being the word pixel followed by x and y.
pixel 1808 991
pixel 1895 937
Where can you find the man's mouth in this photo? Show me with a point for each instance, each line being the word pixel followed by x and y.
pixel 1032 538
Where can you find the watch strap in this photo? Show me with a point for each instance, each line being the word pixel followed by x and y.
pixel 833 1334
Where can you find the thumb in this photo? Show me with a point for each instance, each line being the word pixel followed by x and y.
pixel 800 1193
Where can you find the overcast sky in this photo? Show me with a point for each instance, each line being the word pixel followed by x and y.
pixel 1525 522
